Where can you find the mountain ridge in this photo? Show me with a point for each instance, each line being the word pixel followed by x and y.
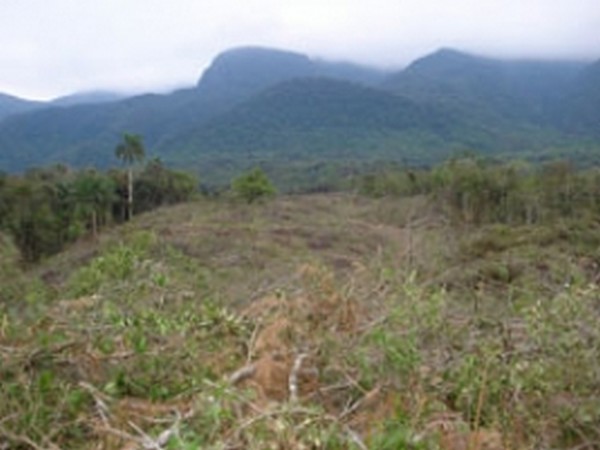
pixel 10 105
pixel 249 95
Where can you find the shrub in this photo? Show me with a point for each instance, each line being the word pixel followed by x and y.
pixel 252 186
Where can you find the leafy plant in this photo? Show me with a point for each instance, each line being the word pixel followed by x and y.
pixel 253 186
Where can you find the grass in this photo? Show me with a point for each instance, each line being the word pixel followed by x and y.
pixel 323 321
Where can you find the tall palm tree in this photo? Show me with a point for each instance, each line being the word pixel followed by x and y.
pixel 130 151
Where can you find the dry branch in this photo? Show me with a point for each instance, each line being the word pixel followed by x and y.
pixel 241 374
pixel 293 378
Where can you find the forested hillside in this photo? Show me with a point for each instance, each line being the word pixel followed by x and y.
pixel 10 105
pixel 493 92
pixel 255 106
pixel 584 102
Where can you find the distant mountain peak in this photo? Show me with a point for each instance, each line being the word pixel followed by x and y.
pixel 241 72
pixel 244 71
pixel 449 59
pixel 251 64
pixel 449 52
pixel 256 51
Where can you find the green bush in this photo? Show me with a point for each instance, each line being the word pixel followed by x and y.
pixel 252 186
pixel 12 281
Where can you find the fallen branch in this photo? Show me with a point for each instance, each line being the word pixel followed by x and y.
pixel 146 441
pixel 120 434
pixel 293 378
pixel 364 400
pixel 354 437
pixel 251 344
pixel 101 406
pixel 241 374
pixel 263 415
pixel 52 350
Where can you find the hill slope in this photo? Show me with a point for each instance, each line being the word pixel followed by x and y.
pixel 492 91
pixel 86 134
pixel 310 322
pixel 583 102
pixel 10 105
pixel 253 103
pixel 308 121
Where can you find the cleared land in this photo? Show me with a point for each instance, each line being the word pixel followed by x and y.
pixel 307 322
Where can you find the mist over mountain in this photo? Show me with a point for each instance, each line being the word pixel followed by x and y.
pixel 496 91
pixel 239 73
pixel 257 105
pixel 10 105
pixel 91 97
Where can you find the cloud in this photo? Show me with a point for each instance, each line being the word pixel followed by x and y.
pixel 52 47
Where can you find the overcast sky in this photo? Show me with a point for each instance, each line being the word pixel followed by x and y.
pixel 55 47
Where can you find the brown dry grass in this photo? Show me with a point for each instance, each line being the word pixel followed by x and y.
pixel 256 249
pixel 325 321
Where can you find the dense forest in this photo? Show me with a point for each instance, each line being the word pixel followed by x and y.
pixel 256 106
pixel 47 208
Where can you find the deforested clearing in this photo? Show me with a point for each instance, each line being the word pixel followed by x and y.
pixel 335 321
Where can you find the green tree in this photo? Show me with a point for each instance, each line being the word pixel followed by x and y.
pixel 157 185
pixel 130 151
pixel 253 185
pixel 30 219
pixel 94 195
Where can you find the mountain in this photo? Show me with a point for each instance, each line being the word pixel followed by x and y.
pixel 582 104
pixel 241 72
pixel 87 134
pixel 84 134
pixel 497 92
pixel 445 102
pixel 260 106
pixel 310 119
pixel 10 105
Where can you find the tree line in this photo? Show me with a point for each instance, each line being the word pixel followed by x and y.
pixel 46 208
pixel 471 190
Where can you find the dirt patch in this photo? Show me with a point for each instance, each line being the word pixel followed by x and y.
pixel 290 331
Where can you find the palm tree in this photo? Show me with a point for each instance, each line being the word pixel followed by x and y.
pixel 130 151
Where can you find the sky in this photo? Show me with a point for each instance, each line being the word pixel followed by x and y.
pixel 50 48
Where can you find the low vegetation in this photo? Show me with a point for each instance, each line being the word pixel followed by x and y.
pixel 451 309
pixel 252 186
